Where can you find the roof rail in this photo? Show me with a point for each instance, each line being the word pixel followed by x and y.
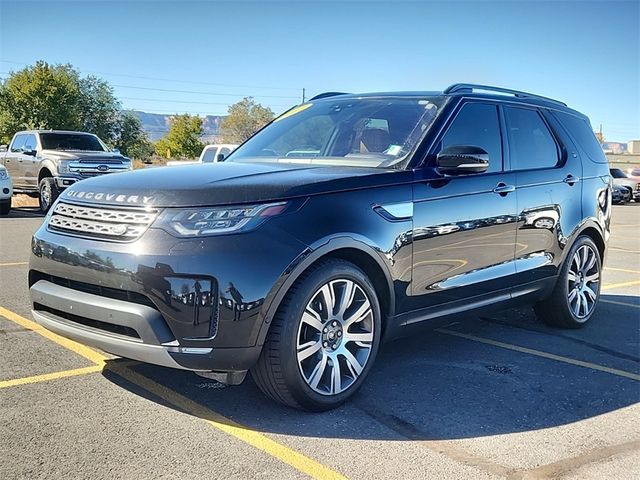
pixel 470 87
pixel 327 94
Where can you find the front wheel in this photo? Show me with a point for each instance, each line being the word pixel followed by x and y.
pixel 48 193
pixel 575 296
pixel 323 340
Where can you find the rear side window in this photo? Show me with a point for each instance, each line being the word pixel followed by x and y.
pixel 18 142
pixel 209 155
pixel 477 125
pixel 583 135
pixel 531 144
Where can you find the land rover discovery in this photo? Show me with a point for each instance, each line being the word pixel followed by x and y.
pixel 348 220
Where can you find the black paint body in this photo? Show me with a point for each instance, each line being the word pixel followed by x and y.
pixel 465 248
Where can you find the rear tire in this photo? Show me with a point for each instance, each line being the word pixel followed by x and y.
pixel 48 193
pixel 323 339
pixel 575 296
pixel 5 206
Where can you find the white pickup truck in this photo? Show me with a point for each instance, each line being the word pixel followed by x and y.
pixel 210 154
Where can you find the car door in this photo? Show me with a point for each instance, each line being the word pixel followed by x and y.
pixel 30 163
pixel 13 160
pixel 548 179
pixel 464 226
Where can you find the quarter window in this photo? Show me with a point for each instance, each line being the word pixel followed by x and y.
pixel 531 145
pixel 477 125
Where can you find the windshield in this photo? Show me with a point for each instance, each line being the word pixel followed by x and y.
pixel 369 132
pixel 617 173
pixel 72 141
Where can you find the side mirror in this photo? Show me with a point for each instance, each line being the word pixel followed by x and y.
pixel 220 157
pixel 28 151
pixel 462 160
pixel 115 150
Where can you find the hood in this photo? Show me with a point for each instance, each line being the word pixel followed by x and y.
pixel 79 155
pixel 226 184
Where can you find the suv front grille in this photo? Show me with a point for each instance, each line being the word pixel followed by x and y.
pixel 99 222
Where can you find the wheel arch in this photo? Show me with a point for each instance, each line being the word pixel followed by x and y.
pixel 595 235
pixel 44 173
pixel 357 252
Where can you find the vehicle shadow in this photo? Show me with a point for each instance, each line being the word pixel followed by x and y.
pixel 24 212
pixel 438 386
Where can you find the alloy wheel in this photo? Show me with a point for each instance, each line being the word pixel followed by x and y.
pixel 583 280
pixel 335 337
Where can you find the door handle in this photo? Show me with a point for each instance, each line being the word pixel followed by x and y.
pixel 571 180
pixel 503 189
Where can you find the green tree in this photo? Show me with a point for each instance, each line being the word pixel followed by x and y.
pixel 183 139
pixel 131 139
pixel 244 119
pixel 100 110
pixel 56 96
pixel 40 96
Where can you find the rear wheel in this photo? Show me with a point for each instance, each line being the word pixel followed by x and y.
pixel 575 296
pixel 5 206
pixel 323 340
pixel 48 193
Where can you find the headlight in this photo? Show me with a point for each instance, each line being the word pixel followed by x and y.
pixel 63 166
pixel 4 175
pixel 194 222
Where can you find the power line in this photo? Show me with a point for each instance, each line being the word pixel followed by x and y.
pixel 189 101
pixel 192 82
pixel 200 93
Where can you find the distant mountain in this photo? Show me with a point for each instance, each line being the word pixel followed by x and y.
pixel 157 125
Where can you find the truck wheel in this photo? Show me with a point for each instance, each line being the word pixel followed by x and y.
pixel 577 291
pixel 5 206
pixel 323 339
pixel 48 193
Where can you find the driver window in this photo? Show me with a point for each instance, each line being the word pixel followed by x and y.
pixel 18 142
pixel 477 125
pixel 30 142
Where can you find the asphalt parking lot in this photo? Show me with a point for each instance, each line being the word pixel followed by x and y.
pixel 494 397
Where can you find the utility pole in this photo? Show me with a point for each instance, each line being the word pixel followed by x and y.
pixel 303 95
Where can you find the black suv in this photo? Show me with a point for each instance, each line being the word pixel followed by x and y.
pixel 347 220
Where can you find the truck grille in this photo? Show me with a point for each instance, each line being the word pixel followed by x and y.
pixel 98 222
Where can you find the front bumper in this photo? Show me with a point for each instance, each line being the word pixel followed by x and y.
pixel 196 304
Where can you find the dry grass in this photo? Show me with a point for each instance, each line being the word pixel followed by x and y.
pixel 19 200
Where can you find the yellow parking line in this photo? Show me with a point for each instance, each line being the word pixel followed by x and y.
pixel 551 356
pixel 283 453
pixel 626 270
pixel 13 264
pixel 609 286
pixel 624 304
pixel 50 376
pixel 75 347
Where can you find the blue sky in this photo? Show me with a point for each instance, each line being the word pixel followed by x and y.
pixel 584 53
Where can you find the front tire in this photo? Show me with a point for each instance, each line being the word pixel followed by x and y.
pixel 48 193
pixel 575 296
pixel 323 339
